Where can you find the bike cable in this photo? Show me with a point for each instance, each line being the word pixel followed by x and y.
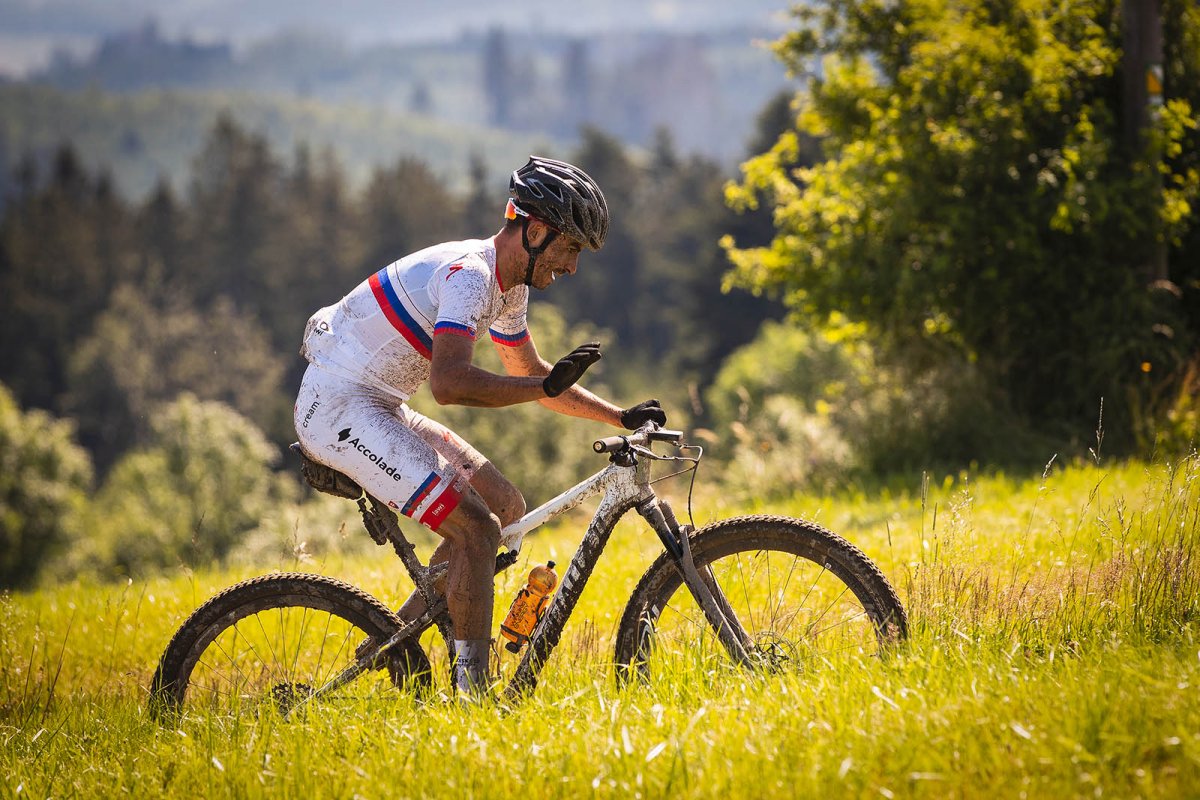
pixel 694 468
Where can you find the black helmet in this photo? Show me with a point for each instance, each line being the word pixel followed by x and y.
pixel 564 197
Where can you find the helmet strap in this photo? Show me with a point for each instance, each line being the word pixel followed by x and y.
pixel 534 252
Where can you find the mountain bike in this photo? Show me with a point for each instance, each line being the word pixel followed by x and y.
pixel 765 593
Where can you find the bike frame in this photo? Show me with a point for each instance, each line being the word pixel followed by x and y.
pixel 625 484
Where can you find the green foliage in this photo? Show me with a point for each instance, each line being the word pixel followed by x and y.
pixel 189 497
pixel 303 535
pixel 122 306
pixel 657 282
pixel 816 407
pixel 62 251
pixel 140 356
pixel 44 477
pixel 973 195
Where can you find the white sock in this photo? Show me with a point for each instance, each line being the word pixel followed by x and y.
pixel 470 664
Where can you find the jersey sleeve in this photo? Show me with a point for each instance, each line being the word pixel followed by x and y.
pixel 512 328
pixel 463 290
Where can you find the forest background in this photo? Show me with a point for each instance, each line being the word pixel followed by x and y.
pixel 929 246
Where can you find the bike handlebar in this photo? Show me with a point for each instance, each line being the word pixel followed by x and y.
pixel 642 436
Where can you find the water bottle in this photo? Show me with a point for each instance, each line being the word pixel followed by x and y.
pixel 528 606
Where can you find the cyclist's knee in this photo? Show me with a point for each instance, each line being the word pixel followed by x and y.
pixel 502 497
pixel 511 506
pixel 472 526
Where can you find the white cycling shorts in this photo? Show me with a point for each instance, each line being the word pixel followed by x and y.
pixel 401 457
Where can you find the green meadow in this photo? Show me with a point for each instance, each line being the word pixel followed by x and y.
pixel 1053 653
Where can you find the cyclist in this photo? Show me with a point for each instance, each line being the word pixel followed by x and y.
pixel 417 319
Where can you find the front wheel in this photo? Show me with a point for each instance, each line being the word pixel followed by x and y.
pixel 796 594
pixel 272 641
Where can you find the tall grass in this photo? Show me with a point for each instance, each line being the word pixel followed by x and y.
pixel 1053 654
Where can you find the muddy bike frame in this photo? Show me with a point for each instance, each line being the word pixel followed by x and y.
pixel 625 484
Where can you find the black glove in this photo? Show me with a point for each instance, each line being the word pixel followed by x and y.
pixel 570 368
pixel 648 411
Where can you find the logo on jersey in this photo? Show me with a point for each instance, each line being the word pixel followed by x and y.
pixel 453 269
pixel 311 411
pixel 374 458
pixel 343 434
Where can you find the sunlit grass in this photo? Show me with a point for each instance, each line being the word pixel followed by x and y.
pixel 1053 654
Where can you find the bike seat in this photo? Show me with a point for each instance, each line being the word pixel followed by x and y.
pixel 326 479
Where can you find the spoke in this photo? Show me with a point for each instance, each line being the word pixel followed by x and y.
pixel 233 660
pixel 300 640
pixel 689 618
pixel 816 580
pixel 281 633
pixel 845 621
pixel 821 616
pixel 817 618
pixel 770 591
pixel 783 591
pixel 337 657
pixel 745 589
pixel 214 673
pixel 324 639
pixel 266 640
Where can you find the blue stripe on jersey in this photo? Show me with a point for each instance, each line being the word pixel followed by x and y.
pixel 389 290
pixel 510 339
pixel 422 492
pixel 455 328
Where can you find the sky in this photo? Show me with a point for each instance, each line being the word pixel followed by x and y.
pixel 31 30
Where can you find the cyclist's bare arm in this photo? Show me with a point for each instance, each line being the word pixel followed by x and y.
pixel 523 360
pixel 454 380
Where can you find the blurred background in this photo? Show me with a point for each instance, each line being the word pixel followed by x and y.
pixel 853 242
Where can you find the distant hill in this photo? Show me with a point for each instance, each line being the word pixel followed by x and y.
pixel 156 133
pixel 372 21
pixel 706 88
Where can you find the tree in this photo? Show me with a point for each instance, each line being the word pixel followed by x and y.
pixel 240 232
pixel 972 198
pixel 405 207
pixel 203 482
pixel 601 289
pixel 44 478
pixel 63 248
pixel 482 210
pixel 577 89
pixel 143 353
pixel 499 82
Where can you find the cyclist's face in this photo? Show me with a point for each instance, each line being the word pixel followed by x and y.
pixel 561 258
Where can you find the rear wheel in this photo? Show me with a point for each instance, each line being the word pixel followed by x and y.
pixel 271 641
pixel 797 594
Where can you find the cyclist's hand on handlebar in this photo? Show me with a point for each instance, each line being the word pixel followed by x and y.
pixel 570 368
pixel 647 411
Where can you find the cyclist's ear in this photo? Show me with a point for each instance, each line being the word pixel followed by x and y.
pixel 538 231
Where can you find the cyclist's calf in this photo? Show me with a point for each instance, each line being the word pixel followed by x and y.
pixel 474 536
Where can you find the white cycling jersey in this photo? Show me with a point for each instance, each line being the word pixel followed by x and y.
pixel 381 333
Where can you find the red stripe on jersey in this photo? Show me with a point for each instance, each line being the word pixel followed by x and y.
pixel 409 335
pixel 441 508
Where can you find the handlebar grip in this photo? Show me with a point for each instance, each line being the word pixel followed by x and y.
pixel 610 444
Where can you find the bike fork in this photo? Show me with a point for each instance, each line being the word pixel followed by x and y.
pixel 701 583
